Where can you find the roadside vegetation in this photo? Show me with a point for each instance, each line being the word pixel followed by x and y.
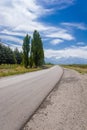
pixel 12 69
pixel 80 68
pixel 31 58
pixel 6 70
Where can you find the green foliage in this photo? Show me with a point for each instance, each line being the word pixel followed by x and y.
pixel 31 56
pixel 18 56
pixel 6 55
pixel 26 48
pixel 37 49
pixel 31 61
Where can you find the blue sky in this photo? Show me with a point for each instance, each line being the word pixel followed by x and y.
pixel 61 23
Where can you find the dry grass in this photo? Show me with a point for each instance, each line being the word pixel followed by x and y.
pixel 6 70
pixel 80 68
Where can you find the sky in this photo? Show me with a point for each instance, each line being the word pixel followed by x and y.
pixel 62 25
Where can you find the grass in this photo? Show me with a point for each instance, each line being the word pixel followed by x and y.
pixel 7 70
pixel 80 68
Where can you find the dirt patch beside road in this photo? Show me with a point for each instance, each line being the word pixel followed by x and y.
pixel 65 108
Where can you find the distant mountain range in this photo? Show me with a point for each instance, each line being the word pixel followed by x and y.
pixel 69 60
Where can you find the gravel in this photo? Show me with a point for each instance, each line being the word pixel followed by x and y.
pixel 66 106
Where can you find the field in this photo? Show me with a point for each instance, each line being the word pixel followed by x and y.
pixel 80 68
pixel 6 70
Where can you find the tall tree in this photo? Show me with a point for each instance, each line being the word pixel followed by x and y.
pixel 2 54
pixel 6 55
pixel 37 49
pixel 10 57
pixel 18 56
pixel 26 48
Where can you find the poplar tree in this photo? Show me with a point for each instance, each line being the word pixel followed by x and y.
pixel 26 48
pixel 37 52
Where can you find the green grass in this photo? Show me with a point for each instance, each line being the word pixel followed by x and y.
pixel 7 70
pixel 80 68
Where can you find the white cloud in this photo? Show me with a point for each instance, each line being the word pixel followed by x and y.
pixel 80 26
pixel 31 27
pixel 9 32
pixel 20 12
pixel 21 16
pixel 13 46
pixel 58 34
pixel 58 4
pixel 11 38
pixel 63 34
pixel 80 52
pixel 80 43
pixel 56 41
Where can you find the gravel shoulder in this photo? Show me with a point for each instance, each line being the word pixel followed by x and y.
pixel 66 106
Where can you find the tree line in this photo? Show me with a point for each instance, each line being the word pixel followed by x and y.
pixel 32 52
pixel 8 56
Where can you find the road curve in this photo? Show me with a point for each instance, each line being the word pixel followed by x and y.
pixel 21 95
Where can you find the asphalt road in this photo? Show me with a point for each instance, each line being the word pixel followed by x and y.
pixel 21 95
pixel 66 106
